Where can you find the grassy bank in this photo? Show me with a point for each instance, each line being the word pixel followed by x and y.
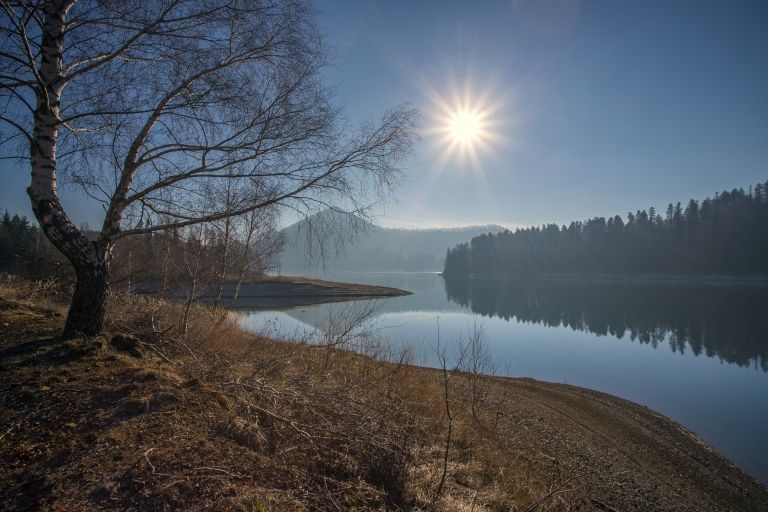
pixel 145 419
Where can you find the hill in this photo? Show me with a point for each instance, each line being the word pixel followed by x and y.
pixel 334 241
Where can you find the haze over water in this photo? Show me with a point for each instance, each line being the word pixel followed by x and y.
pixel 694 352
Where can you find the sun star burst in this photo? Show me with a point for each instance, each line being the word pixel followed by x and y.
pixel 463 125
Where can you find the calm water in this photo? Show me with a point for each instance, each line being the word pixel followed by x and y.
pixel 695 352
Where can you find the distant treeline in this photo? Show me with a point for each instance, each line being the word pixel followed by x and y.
pixel 724 235
pixel 202 257
pixel 25 250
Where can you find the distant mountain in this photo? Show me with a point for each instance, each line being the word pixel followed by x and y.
pixel 337 242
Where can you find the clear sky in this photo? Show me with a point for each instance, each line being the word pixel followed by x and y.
pixel 590 107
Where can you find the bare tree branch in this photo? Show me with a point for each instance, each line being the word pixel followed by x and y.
pixel 148 105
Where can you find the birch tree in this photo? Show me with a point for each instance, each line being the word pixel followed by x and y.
pixel 144 103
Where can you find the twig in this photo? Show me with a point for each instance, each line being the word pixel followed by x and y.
pixel 179 341
pixel 554 491
pixel 147 459
pixel 220 470
pixel 276 416
pixel 442 357
pixel 602 506
pixel 157 351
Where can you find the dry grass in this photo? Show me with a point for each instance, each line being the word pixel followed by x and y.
pixel 224 420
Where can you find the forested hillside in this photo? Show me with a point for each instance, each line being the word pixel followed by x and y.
pixel 339 242
pixel 723 235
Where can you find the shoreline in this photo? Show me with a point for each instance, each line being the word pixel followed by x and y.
pixel 307 287
pixel 648 453
pixel 639 278
pixel 627 457
pixel 714 281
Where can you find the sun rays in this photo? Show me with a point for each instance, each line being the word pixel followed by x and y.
pixel 464 125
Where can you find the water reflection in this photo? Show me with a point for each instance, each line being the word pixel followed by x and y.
pixel 716 320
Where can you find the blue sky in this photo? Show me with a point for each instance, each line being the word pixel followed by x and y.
pixel 601 106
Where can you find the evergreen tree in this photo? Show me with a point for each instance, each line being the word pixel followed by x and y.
pixel 723 235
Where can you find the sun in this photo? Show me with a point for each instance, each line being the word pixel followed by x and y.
pixel 465 127
pixel 464 124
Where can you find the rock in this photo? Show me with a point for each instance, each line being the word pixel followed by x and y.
pixel 126 343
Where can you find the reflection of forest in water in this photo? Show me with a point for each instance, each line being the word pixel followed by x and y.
pixel 716 320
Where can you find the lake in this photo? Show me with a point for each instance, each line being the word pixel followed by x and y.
pixel 697 353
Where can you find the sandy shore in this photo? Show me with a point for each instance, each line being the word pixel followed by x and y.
pixel 631 457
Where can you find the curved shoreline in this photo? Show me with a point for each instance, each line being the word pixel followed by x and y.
pixel 622 456
pixel 299 286
pixel 287 292
pixel 638 458
pixel 544 390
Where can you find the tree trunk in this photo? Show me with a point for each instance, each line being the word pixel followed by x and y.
pixel 244 263
pixel 166 263
pixel 89 258
pixel 224 262
pixel 88 306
